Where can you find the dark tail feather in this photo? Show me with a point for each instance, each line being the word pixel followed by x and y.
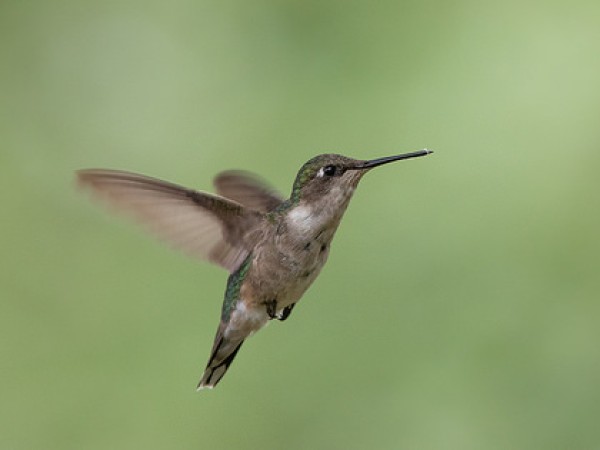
pixel 223 353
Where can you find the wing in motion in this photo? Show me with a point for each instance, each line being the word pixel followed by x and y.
pixel 202 225
pixel 248 190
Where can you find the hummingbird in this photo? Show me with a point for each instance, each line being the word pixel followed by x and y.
pixel 273 248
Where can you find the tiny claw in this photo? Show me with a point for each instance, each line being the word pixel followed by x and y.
pixel 285 313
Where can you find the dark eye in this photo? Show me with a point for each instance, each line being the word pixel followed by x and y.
pixel 329 170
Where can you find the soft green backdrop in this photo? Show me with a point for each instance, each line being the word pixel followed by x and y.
pixel 460 306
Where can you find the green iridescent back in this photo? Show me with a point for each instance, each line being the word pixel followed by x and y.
pixel 232 291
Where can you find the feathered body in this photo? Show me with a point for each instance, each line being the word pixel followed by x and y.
pixel 273 248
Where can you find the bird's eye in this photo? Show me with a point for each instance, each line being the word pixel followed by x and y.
pixel 329 170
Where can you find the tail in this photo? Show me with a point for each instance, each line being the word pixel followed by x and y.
pixel 223 353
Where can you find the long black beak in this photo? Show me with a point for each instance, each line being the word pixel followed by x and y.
pixel 378 162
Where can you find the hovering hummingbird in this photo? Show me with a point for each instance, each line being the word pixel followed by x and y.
pixel 273 248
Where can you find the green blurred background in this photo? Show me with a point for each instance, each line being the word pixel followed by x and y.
pixel 459 308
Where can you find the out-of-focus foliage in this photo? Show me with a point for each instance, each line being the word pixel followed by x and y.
pixel 460 305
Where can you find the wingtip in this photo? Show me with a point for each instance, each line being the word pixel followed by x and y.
pixel 86 176
pixel 82 177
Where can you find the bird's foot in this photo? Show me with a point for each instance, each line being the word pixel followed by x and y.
pixel 271 306
pixel 286 312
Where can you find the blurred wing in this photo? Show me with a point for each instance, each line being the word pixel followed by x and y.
pixel 202 225
pixel 248 190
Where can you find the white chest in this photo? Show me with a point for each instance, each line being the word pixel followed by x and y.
pixel 303 219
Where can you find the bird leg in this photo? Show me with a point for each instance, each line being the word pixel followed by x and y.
pixel 271 308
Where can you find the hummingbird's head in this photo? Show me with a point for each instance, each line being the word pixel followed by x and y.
pixel 336 176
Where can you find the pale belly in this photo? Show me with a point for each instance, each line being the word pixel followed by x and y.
pixel 284 275
pixel 286 284
pixel 285 263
